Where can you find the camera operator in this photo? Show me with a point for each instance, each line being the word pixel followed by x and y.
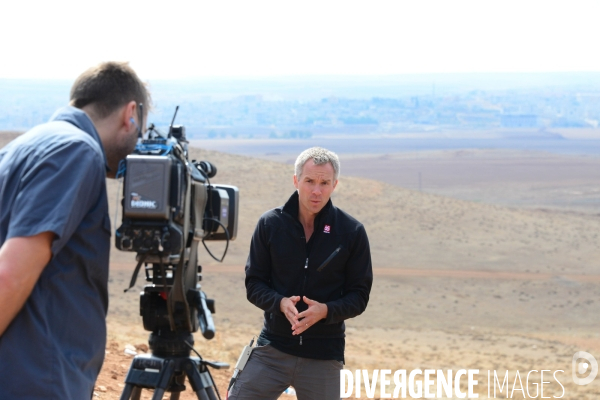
pixel 309 269
pixel 55 236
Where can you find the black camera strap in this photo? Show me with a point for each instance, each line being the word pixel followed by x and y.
pixel 136 272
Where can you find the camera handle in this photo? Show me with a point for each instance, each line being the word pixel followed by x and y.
pixel 184 275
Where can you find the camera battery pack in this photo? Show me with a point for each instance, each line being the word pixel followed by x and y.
pixel 146 193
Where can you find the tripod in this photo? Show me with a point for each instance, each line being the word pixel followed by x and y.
pixel 166 368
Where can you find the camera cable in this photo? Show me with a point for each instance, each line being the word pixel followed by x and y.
pixel 136 271
pixel 212 218
pixel 202 360
pixel 226 242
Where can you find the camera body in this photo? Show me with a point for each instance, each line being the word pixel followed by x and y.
pixel 153 202
pixel 169 207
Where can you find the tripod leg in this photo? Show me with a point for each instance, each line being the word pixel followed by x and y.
pixel 166 374
pixel 127 390
pixel 137 393
pixel 201 381
pixel 202 394
pixel 131 392
pixel 158 394
pixel 210 393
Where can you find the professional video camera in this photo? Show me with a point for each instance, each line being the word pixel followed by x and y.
pixel 169 207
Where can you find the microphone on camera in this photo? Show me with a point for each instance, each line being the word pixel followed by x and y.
pixel 172 121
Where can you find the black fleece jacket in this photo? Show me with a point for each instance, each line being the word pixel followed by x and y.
pixel 337 271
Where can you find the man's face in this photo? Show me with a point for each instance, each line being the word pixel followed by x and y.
pixel 121 146
pixel 315 185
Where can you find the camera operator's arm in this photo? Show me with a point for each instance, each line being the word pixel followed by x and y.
pixel 357 286
pixel 47 215
pixel 258 272
pixel 22 260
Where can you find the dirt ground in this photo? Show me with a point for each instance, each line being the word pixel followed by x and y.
pixel 433 321
pixel 523 179
pixel 497 272
pixel 458 284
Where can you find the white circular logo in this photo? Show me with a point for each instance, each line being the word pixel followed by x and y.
pixel 581 367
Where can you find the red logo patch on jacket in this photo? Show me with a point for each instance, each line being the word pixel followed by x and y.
pixel 327 229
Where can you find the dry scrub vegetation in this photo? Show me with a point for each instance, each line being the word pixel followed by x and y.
pixel 457 284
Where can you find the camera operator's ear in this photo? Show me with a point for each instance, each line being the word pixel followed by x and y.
pixel 128 115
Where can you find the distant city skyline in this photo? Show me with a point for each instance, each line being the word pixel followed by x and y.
pixel 184 39
pixel 301 108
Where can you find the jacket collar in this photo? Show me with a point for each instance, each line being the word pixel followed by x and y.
pixel 81 120
pixel 292 207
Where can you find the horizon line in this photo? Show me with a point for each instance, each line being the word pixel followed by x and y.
pixel 338 76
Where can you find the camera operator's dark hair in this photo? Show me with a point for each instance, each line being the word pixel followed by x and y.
pixel 108 86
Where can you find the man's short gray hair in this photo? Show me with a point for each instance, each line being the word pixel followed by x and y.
pixel 319 156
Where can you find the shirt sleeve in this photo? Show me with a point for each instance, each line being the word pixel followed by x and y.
pixel 56 192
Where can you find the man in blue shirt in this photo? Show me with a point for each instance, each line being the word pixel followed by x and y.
pixel 55 237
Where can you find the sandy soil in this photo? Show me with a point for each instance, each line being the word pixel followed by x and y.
pixel 413 321
pixel 513 178
pixel 524 179
pixel 458 284
pixel 409 229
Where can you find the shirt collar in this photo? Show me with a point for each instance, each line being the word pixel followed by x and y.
pixel 292 207
pixel 82 121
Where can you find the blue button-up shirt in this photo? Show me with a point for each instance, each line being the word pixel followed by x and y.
pixel 52 179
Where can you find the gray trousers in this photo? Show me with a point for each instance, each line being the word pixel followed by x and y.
pixel 269 372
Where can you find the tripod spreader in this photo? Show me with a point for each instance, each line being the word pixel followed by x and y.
pixel 166 368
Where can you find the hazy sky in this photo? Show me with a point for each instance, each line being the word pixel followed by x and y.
pixel 181 39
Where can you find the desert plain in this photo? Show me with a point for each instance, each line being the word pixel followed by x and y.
pixel 483 259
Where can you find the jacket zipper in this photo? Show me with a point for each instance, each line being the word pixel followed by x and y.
pixel 305 273
pixel 328 260
pixel 304 285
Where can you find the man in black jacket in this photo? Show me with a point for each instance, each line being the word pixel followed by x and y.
pixel 309 269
